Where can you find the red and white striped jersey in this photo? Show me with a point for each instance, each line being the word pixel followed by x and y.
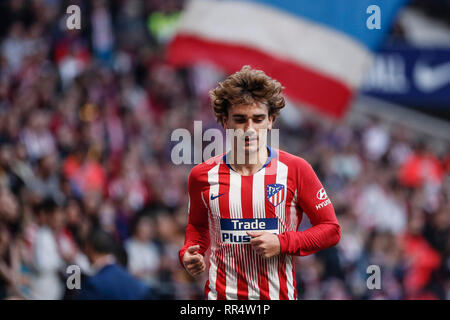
pixel 223 205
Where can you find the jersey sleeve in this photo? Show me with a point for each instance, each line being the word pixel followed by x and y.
pixel 312 199
pixel 197 229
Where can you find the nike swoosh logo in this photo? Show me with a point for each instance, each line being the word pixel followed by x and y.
pixel 430 79
pixel 214 197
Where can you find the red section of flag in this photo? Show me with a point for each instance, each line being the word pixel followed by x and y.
pixel 315 90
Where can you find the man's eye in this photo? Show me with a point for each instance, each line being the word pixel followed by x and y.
pixel 258 120
pixel 240 120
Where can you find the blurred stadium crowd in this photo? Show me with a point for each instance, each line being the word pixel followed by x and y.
pixel 85 123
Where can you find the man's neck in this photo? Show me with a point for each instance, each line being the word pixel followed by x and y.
pixel 101 261
pixel 253 162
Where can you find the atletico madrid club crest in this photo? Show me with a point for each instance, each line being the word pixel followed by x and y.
pixel 275 193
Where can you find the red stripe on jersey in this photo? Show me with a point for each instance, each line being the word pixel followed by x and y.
pixel 270 178
pixel 247 196
pixel 224 186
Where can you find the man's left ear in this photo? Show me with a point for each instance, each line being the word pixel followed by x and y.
pixel 224 122
pixel 271 120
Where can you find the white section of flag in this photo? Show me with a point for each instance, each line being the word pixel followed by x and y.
pixel 280 34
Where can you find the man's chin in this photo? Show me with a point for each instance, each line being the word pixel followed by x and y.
pixel 251 150
pixel 253 147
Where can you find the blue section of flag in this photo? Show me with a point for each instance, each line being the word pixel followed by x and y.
pixel 346 16
pixel 249 224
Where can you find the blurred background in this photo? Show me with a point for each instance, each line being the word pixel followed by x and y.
pixel 85 123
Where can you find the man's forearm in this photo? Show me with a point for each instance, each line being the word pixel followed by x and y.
pixel 316 238
pixel 195 234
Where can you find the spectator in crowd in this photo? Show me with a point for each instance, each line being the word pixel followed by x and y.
pixel 8 258
pixel 48 263
pixel 110 281
pixel 143 255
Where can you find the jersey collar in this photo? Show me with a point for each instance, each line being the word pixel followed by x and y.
pixel 272 155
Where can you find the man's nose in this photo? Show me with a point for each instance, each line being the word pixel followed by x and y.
pixel 250 127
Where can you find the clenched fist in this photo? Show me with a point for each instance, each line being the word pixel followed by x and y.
pixel 265 243
pixel 194 261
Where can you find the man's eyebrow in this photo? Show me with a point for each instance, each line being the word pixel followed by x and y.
pixel 254 115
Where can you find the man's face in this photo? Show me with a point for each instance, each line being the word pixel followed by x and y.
pixel 254 121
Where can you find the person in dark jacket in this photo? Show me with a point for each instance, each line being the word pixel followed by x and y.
pixel 110 281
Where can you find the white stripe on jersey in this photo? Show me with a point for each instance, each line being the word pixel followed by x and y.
pixel 290 279
pixel 213 180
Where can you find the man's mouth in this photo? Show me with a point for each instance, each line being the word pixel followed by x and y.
pixel 249 140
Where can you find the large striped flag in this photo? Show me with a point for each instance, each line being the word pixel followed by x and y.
pixel 318 49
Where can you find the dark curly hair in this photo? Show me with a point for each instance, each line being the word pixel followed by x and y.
pixel 247 86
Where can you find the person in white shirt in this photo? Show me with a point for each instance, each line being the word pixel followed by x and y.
pixel 143 256
pixel 46 282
